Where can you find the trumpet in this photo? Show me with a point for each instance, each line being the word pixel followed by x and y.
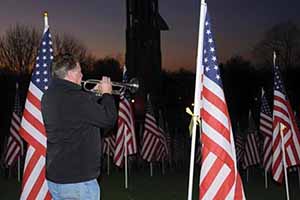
pixel 132 86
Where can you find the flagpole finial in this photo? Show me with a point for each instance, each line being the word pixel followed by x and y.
pixel 46 20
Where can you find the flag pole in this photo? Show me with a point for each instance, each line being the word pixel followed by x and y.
pixel 247 174
pixel 266 179
pixel 151 169
pixel 126 170
pixel 281 128
pixel 46 25
pixel 197 96
pixel 162 166
pixel 19 169
pixel 298 172
pixel 107 154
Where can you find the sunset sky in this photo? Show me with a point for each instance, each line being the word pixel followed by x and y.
pixel 100 25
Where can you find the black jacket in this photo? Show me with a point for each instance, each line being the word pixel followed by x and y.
pixel 73 119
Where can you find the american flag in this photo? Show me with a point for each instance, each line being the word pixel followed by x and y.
pixel 34 185
pixel 126 131
pixel 109 145
pixel 162 151
pixel 240 148
pixel 265 128
pixel 219 178
pixel 154 143
pixel 282 113
pixel 165 148
pixel 15 144
pixel 169 142
pixel 251 155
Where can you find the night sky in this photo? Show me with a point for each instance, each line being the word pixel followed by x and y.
pixel 100 25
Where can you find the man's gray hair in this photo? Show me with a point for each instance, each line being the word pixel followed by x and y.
pixel 62 64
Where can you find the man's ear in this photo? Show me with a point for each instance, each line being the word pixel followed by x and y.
pixel 69 74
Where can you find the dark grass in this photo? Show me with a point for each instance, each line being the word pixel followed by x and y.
pixel 171 186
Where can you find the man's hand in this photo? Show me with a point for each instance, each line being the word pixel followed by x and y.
pixel 105 85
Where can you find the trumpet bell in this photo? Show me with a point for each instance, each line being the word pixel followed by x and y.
pixel 133 85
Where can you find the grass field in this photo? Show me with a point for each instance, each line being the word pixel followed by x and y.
pixel 172 186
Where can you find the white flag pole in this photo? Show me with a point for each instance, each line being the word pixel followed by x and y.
pixel 198 89
pixel 298 171
pixel 46 25
pixel 19 169
pixel 281 128
pixel 107 154
pixel 126 167
pixel 162 167
pixel 151 169
pixel 266 179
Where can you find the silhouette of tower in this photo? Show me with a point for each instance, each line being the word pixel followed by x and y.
pixel 143 45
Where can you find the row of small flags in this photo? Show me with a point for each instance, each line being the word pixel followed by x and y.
pixel 154 142
pixel 248 150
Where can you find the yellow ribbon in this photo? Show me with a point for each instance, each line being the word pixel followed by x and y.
pixel 196 117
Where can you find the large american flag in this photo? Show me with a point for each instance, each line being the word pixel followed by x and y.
pixel 126 131
pixel 219 178
pixel 265 128
pixel 282 113
pixel 15 144
pixel 34 185
pixel 154 143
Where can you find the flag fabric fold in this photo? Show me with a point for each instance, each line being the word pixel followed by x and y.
pixel 219 178
pixel 34 185
pixel 283 114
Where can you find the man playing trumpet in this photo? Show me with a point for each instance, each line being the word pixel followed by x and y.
pixel 72 119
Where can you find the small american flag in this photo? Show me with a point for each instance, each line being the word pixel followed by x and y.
pixel 219 177
pixel 153 139
pixel 265 128
pixel 126 132
pixel 15 144
pixel 34 185
pixel 240 148
pixel 109 145
pixel 251 155
pixel 282 113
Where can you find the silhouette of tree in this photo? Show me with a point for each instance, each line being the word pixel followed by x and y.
pixel 283 38
pixel 18 47
pixel 107 66
pixel 68 44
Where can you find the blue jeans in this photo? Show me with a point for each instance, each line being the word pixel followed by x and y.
pixel 88 190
